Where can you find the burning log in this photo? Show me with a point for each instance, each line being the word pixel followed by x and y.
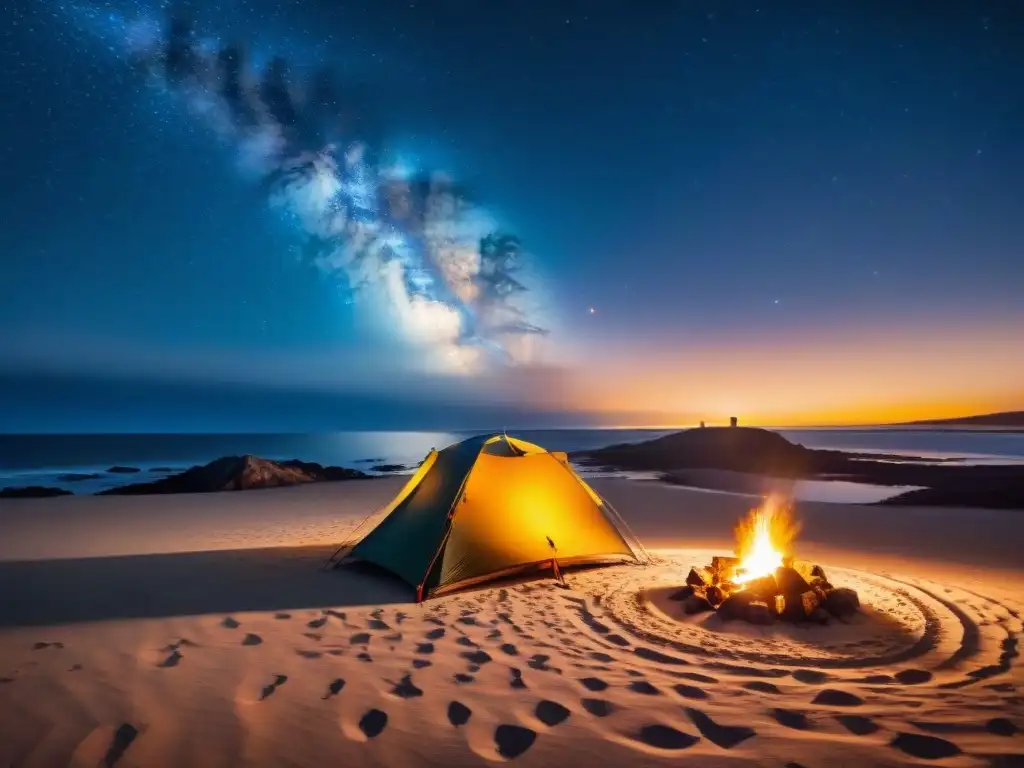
pixel 761 584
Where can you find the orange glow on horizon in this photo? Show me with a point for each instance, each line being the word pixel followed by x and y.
pixel 841 380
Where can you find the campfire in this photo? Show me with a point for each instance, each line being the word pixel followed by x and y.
pixel 765 582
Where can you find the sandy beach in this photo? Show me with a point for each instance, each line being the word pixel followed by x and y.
pixel 200 630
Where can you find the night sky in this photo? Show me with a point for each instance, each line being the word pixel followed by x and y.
pixel 269 215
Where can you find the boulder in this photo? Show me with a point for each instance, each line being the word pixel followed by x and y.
pixel 820 616
pixel 842 602
pixel 758 612
pixel 764 587
pixel 714 596
pixel 700 577
pixel 724 567
pixel 797 607
pixel 735 606
pixel 791 581
pixel 696 603
pixel 681 594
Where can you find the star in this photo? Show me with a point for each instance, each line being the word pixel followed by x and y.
pixel 592 310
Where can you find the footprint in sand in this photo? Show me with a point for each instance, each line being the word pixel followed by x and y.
pixel 604 658
pixel 309 654
pixel 513 740
pixel 597 707
pixel 435 634
pixel 463 679
pixel 364 656
pixel 644 687
pixel 517 678
pixel 467 642
pixel 317 623
pixel 476 657
pixel 405 689
pixel 123 738
pixel 762 686
pixel 251 639
pixel 650 654
pixel 458 713
pixel 913 676
pixel 424 649
pixel 924 747
pixel 282 616
pixel 377 624
pixel 617 640
pixel 832 697
pixel 551 713
pixel 373 723
pixel 725 736
pixel 790 718
pixel 594 684
pixel 230 623
pixel 40 646
pixel 666 737
pixel 857 724
pixel 421 663
pixel 811 676
pixel 172 660
pixel 1000 726
pixel 696 677
pixel 334 688
pixel 540 661
pixel 510 649
pixel 268 690
pixel 359 638
pixel 690 691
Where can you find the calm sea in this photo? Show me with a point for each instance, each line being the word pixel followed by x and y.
pixel 43 459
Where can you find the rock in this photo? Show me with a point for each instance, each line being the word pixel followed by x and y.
pixel 696 603
pixel 820 616
pixel 74 477
pixel 724 567
pixel 796 607
pixel 714 596
pixel 119 470
pixel 764 587
pixel 699 577
pixel 791 581
pixel 758 612
pixel 735 606
pixel 32 492
pixel 239 473
pixel 842 602
pixel 681 594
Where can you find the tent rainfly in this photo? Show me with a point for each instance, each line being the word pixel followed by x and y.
pixel 488 507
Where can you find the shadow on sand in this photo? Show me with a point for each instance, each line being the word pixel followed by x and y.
pixel 48 592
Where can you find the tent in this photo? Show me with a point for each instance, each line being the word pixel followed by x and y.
pixel 487 507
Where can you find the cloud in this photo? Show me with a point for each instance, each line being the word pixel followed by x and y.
pixel 416 250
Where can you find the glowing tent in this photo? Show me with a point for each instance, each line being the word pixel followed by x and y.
pixel 487 507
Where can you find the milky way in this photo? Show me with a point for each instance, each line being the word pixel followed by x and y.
pixel 413 247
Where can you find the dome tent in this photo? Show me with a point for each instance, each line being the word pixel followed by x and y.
pixel 488 507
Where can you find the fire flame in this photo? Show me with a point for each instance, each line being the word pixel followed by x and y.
pixel 764 538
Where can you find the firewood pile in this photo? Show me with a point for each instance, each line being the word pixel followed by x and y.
pixel 798 591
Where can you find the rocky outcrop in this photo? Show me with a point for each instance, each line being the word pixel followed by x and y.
pixel 32 492
pixel 239 473
pixel 682 457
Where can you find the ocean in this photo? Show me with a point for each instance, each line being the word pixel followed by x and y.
pixel 48 460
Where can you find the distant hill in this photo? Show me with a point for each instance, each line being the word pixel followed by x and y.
pixel 239 473
pixel 1004 419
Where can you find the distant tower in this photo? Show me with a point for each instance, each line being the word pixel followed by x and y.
pixel 732 421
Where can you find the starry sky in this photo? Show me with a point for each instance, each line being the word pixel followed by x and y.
pixel 247 214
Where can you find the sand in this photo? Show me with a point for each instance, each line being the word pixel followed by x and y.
pixel 199 630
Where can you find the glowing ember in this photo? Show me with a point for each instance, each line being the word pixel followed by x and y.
pixel 763 539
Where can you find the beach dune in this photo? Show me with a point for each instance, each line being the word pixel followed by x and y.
pixel 202 630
